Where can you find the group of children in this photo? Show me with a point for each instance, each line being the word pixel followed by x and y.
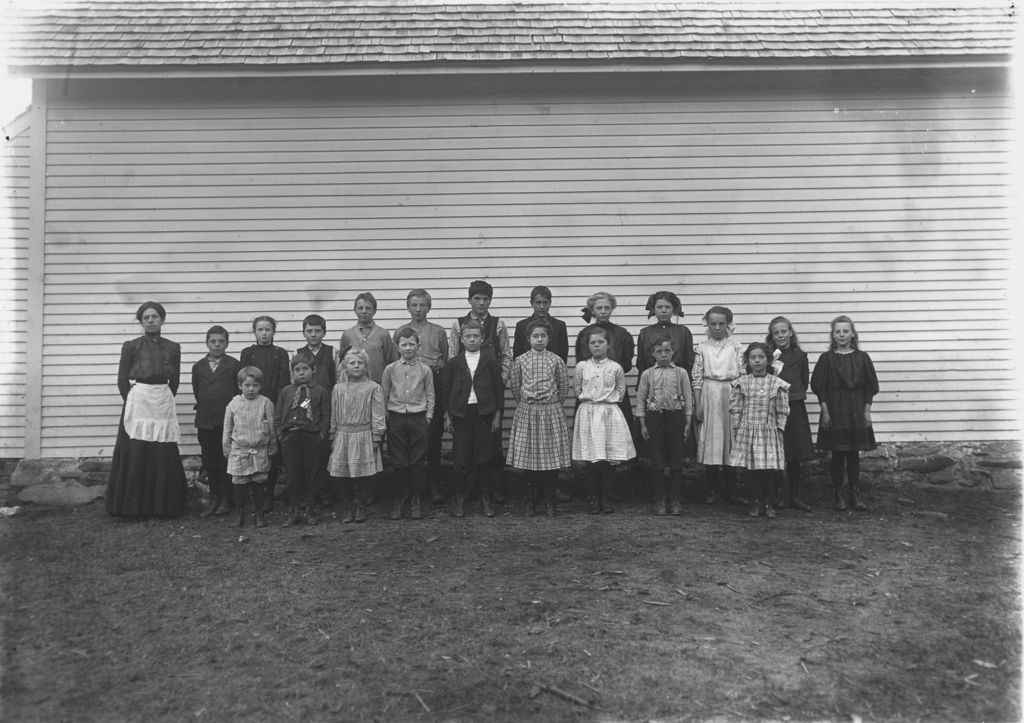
pixel 326 414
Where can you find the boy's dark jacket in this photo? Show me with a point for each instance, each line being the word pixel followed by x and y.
pixel 456 384
pixel 319 412
pixel 213 390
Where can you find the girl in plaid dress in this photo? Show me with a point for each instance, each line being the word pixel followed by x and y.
pixel 759 405
pixel 357 429
pixel 601 436
pixel 249 442
pixel 539 443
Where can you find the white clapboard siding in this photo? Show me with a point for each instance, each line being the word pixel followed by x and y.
pixel 796 193
pixel 14 210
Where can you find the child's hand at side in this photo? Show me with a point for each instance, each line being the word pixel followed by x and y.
pixel 698 411
pixel 643 429
pixel 496 422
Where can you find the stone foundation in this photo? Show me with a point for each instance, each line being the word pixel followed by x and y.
pixel 969 465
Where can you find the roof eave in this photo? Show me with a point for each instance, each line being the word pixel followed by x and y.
pixel 208 70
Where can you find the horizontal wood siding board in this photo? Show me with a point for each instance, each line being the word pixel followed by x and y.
pixel 890 205
pixel 14 210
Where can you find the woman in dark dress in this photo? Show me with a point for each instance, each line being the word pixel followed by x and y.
pixel 147 477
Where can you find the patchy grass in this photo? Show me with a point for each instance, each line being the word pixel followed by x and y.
pixel 881 615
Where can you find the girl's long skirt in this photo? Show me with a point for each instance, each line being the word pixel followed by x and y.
pixel 601 434
pixel 540 437
pixel 714 438
pixel 797 437
pixel 147 479
pixel 353 455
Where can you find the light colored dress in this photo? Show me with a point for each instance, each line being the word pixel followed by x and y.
pixel 248 431
pixel 357 422
pixel 759 407
pixel 601 432
pixel 540 437
pixel 716 365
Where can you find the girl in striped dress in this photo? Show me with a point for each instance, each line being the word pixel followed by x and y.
pixel 758 406
pixel 601 436
pixel 357 429
pixel 539 443
pixel 718 361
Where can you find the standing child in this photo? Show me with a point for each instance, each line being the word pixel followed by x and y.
pixel 601 436
pixel 759 405
pixel 273 362
pixel 663 305
pixel 845 383
pixel 303 422
pixel 368 336
pixel 248 442
pixel 314 329
pixel 495 337
pixel 664 406
pixel 357 428
pixel 433 351
pixel 472 397
pixel 408 389
pixel 598 313
pixel 718 362
pixel 540 439
pixel 796 372
pixel 214 385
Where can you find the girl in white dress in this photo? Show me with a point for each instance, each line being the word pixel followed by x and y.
pixel 718 361
pixel 601 437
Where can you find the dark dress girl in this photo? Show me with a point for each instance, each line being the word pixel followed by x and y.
pixel 147 477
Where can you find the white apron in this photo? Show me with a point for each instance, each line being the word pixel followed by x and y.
pixel 149 414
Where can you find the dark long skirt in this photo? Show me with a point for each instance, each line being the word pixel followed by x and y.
pixel 147 479
pixel 797 437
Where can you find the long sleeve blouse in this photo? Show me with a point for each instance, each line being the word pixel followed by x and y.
pixel 273 362
pixel 539 377
pixel 151 359
pixel 620 345
pixel 720 360
pixel 796 372
pixel 681 338
pixel 599 381
pixel 358 406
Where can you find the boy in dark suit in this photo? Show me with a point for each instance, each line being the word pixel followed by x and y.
pixel 214 384
pixel 473 397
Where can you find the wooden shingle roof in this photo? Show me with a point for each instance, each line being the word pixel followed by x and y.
pixel 205 34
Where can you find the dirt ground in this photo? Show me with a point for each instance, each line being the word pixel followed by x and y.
pixel 884 615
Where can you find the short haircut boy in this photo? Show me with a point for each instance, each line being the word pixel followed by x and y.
pixel 471 323
pixel 408 333
pixel 419 293
pixel 217 329
pixel 541 291
pixel 660 339
pixel 315 320
pixel 480 288
pixel 302 358
pixel 365 296
pixel 246 372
